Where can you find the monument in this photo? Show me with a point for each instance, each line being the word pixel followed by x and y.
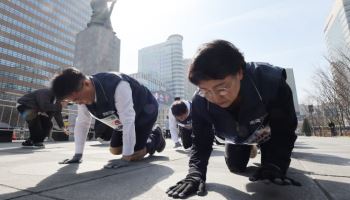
pixel 97 48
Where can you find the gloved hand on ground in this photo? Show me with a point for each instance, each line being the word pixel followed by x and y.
pixel 186 187
pixel 76 159
pixel 273 174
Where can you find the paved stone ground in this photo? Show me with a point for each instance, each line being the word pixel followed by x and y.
pixel 322 165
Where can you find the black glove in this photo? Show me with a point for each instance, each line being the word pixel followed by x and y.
pixel 76 159
pixel 274 174
pixel 186 187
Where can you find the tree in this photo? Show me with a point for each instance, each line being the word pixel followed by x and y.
pixel 331 93
pixel 306 129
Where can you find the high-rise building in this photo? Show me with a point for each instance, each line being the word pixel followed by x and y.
pixel 158 90
pixel 337 32
pixel 190 88
pixel 291 83
pixel 37 39
pixel 164 62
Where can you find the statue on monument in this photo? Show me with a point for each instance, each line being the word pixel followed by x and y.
pixel 101 13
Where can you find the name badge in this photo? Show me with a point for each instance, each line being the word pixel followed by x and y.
pixel 111 121
pixel 186 126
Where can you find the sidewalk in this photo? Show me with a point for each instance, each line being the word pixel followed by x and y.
pixel 322 165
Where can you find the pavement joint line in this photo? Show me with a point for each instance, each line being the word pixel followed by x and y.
pixel 331 175
pixel 323 189
pixel 328 196
pixel 85 181
pixel 19 196
pixel 8 186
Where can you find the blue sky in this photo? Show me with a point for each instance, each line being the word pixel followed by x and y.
pixel 286 33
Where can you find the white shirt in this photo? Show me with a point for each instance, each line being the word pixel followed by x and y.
pixel 125 107
pixel 173 122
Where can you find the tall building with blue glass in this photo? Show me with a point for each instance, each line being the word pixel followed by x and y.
pixel 37 39
pixel 337 29
pixel 164 62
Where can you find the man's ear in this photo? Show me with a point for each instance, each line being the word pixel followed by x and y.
pixel 240 74
pixel 86 82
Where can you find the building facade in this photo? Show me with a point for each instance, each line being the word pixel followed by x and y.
pixel 164 62
pixel 37 40
pixel 291 83
pixel 189 87
pixel 158 90
pixel 336 31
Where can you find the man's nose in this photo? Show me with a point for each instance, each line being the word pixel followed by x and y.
pixel 214 99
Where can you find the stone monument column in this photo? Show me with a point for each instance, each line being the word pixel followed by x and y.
pixel 97 48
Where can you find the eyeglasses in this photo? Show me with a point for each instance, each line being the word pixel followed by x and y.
pixel 76 96
pixel 221 91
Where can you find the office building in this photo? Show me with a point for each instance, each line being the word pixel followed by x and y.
pixel 291 83
pixel 37 40
pixel 164 62
pixel 336 31
pixel 158 90
pixel 189 87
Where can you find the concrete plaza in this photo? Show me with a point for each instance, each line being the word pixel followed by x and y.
pixel 322 165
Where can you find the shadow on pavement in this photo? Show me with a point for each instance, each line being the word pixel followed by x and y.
pixel 123 183
pixel 100 145
pixel 321 158
pixel 182 151
pixel 20 150
pixel 303 147
pixel 260 190
pixel 227 191
pixel 213 153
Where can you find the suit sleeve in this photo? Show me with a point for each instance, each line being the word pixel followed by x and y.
pixel 43 100
pixel 172 127
pixel 58 117
pixel 125 106
pixel 81 128
pixel 202 141
pixel 283 122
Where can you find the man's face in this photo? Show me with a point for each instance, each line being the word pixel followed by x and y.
pixel 182 117
pixel 222 92
pixel 86 95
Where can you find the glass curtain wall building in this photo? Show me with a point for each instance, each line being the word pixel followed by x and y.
pixel 336 31
pixel 190 88
pixel 164 62
pixel 158 90
pixel 37 39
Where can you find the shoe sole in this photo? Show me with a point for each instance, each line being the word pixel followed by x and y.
pixel 162 145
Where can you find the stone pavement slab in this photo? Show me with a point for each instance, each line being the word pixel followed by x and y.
pixel 320 164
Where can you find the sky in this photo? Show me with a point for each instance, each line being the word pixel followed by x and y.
pixel 285 33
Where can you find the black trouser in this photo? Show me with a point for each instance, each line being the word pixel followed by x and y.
pixel 39 128
pixel 186 137
pixel 103 131
pixel 237 157
pixel 167 133
pixel 143 130
pixel 279 148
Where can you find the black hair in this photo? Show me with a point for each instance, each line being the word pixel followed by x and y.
pixel 215 60
pixel 68 81
pixel 178 108
pixel 177 98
